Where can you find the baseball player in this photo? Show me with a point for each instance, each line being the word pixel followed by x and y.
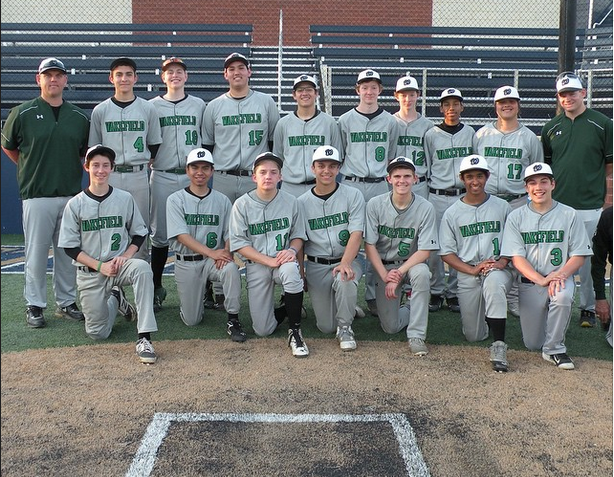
pixel 129 125
pixel 445 146
pixel 299 134
pixel 547 243
pixel 400 234
pixel 46 138
pixel 238 126
pixel 412 127
pixel 508 147
pixel 369 137
pixel 197 220
pixel 181 117
pixel 334 221
pixel 470 242
pixel 102 229
pixel 267 230
pixel 580 135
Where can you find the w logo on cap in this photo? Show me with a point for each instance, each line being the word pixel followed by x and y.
pixel 329 152
pixel 537 168
pixel 474 161
pixel 201 154
pixel 451 90
pixel 507 91
pixel 304 78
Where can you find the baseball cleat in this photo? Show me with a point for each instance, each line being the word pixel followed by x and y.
pixel 145 351
pixel 35 317
pixel 345 335
pixel 71 312
pixel 417 346
pixel 235 331
pixel 297 344
pixel 498 356
pixel 359 312
pixel 561 360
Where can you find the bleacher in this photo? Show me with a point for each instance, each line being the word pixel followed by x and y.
pixel 87 51
pixel 477 61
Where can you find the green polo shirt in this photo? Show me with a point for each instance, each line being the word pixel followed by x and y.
pixel 50 151
pixel 578 151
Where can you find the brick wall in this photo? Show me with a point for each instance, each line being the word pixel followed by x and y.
pixel 297 15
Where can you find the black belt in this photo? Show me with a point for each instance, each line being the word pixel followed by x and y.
pixel 237 172
pixel 392 262
pixel 189 258
pixel 526 280
pixel 311 182
pixel 87 269
pixel 369 180
pixel 448 192
pixel 323 261
pixel 138 168
pixel 422 179
pixel 510 197
pixel 177 170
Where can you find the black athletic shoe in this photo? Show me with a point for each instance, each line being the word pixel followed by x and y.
pixel 71 312
pixel 453 304
pixel 34 317
pixel 372 306
pixel 587 319
pixel 436 303
pixel 235 331
pixel 561 360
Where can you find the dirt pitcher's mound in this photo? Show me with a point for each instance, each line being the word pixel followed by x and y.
pixel 84 411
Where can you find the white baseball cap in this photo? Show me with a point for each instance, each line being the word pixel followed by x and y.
pixel 405 83
pixel 538 168
pixel 199 155
pixel 326 153
pixel 568 81
pixel 450 93
pixel 474 161
pixel 368 75
pixel 506 92
pixel 400 161
pixel 51 64
pixel 235 57
pixel 305 79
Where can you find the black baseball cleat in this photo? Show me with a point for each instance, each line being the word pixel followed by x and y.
pixel 436 303
pixel 453 304
pixel 235 331
pixel 587 319
pixel 34 317
pixel 71 312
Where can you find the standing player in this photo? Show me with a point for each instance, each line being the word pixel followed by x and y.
pixel 197 220
pixel 266 228
pixel 46 138
pixel 509 147
pixel 602 248
pixel 238 126
pixel 129 125
pixel 579 134
pixel 412 127
pixel 334 221
pixel 400 234
pixel 299 134
pixel 102 230
pixel 445 146
pixel 369 135
pixel 470 242
pixel 181 118
pixel 547 243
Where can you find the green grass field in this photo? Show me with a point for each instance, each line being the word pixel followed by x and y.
pixel 444 326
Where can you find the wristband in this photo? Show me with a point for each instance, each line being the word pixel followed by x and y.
pixel 294 250
pixel 99 266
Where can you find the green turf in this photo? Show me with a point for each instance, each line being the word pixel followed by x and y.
pixel 444 326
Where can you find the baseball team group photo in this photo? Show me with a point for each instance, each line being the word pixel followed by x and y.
pixel 284 280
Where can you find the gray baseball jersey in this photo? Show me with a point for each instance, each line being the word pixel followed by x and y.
pixel 206 219
pixel 295 141
pixel 128 130
pixel 507 154
pixel 546 241
pixel 329 224
pixel 240 129
pixel 181 125
pixel 368 143
pixel 444 153
pixel 411 141
pixel 474 234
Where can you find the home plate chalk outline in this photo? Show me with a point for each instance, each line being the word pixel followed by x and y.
pixel 145 458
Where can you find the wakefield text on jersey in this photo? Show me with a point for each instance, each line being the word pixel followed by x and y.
pixel 367 136
pixel 410 141
pixel 400 232
pixel 179 120
pixel 329 221
pixel 202 219
pixel 454 152
pixel 247 118
pixel 269 226
pixel 120 126
pixel 506 152
pixel 99 223
pixel 543 236
pixel 307 140
pixel 491 226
